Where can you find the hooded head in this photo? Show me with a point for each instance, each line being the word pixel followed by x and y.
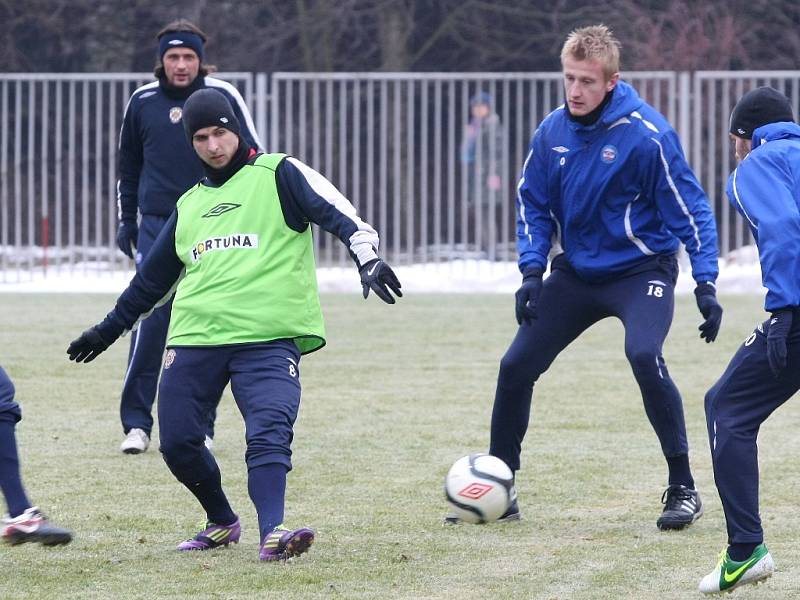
pixel 481 98
pixel 758 107
pixel 208 108
pixel 213 131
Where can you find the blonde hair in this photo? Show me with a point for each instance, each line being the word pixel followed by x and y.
pixel 596 42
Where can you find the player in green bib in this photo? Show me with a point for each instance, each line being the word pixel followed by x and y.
pixel 239 249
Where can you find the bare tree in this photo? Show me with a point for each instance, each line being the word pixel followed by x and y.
pixel 398 35
pixel 683 35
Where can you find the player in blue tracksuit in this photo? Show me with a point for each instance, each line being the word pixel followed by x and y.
pixel 23 522
pixel 765 371
pixel 156 166
pixel 606 187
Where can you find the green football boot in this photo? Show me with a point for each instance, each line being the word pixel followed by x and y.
pixel 729 574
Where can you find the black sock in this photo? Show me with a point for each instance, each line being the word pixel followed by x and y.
pixel 10 481
pixel 741 552
pixel 209 493
pixel 679 471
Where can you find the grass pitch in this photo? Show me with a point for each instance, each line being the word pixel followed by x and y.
pixel 399 393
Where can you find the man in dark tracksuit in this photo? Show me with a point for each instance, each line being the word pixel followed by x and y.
pixel 245 310
pixel 24 522
pixel 607 179
pixel 765 371
pixel 156 166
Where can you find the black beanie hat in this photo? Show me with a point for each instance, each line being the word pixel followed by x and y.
pixel 208 108
pixel 758 107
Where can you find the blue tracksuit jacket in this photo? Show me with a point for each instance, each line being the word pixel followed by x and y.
pixel 156 162
pixel 612 194
pixel 765 189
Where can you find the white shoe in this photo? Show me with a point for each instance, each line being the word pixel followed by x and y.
pixel 136 442
pixel 730 574
pixel 209 442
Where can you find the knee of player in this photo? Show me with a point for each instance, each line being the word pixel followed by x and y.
pixel 10 412
pixel 708 399
pixel 642 359
pixel 176 449
pixel 7 391
pixel 514 369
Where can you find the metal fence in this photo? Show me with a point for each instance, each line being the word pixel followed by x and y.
pixel 715 94
pixel 58 152
pixel 392 142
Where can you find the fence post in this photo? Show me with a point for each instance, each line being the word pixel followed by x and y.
pixel 260 102
pixel 685 111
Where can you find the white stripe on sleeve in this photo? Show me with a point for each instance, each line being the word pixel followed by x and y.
pixel 738 200
pixel 677 194
pixel 364 243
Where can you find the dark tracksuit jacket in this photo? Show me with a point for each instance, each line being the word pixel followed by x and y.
pixel 156 166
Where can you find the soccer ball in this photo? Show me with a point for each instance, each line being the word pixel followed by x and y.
pixel 478 488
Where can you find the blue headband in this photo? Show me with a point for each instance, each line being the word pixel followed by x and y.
pixel 180 39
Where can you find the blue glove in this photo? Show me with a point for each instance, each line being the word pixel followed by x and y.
pixel 127 235
pixel 527 296
pixel 706 295
pixel 377 276
pixel 779 326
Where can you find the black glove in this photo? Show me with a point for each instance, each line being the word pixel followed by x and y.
pixel 127 235
pixel 95 340
pixel 706 295
pixel 88 346
pixel 527 296
pixel 377 276
pixel 779 326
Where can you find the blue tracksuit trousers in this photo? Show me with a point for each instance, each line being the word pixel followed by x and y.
pixel 9 409
pixel 736 406
pixel 10 481
pixel 643 299
pixel 265 381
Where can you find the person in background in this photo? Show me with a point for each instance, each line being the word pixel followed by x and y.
pixel 481 157
pixel 156 166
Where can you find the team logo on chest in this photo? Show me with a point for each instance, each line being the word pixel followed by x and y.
pixel 175 114
pixel 221 209
pixel 608 154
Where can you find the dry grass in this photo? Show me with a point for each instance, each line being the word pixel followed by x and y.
pixel 399 393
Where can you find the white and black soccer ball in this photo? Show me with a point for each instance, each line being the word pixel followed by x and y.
pixel 479 488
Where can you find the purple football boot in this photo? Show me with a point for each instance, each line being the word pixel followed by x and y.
pixel 213 536
pixel 281 543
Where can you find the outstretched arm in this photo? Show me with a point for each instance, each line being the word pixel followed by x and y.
pixel 152 285
pixel 308 197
